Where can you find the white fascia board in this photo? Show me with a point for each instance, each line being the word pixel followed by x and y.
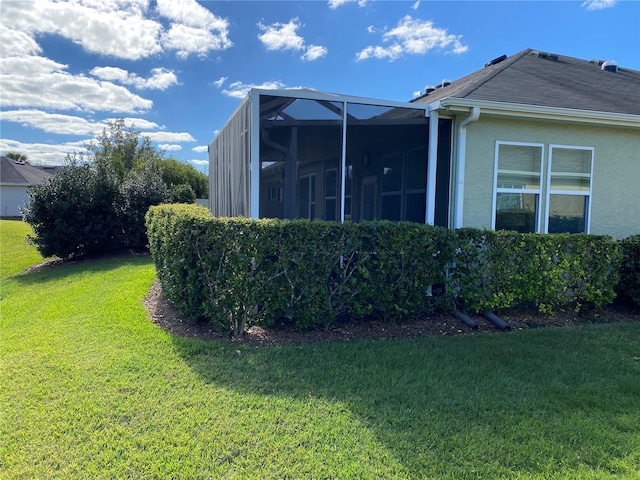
pixel 333 97
pixel 542 112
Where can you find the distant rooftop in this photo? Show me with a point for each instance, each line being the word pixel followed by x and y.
pixel 15 172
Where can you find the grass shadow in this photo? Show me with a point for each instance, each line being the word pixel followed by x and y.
pixel 57 269
pixel 545 402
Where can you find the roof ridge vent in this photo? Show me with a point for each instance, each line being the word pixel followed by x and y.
pixel 545 55
pixel 496 60
pixel 429 88
pixel 445 82
pixel 610 66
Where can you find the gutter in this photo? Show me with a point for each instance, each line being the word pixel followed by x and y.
pixel 461 158
pixel 490 107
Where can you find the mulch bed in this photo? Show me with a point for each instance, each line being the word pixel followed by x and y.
pixel 164 314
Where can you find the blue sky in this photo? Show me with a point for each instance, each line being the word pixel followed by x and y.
pixel 177 69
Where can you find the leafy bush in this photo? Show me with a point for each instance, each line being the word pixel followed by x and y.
pixel 629 285
pixel 73 213
pixel 99 205
pixel 497 270
pixel 182 193
pixel 139 191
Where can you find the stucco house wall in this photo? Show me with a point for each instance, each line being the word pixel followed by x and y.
pixel 12 197
pixel 615 201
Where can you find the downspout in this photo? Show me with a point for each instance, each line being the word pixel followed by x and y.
pixel 460 164
pixel 432 163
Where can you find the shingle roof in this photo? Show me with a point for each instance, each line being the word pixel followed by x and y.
pixel 16 173
pixel 531 77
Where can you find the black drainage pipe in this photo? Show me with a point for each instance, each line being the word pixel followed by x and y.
pixel 497 321
pixel 466 320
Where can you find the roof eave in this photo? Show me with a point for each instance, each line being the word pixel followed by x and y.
pixel 542 112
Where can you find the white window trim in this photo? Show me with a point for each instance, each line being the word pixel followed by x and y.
pixel 584 193
pixel 497 190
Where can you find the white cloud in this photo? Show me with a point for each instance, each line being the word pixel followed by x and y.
pixel 39 82
pixel 138 123
pixel 121 29
pixel 314 52
pixel 201 163
pixel 118 29
pixel 281 36
pixel 187 40
pixel 416 37
pixel 169 146
pixel 160 78
pixel 173 137
pixel 42 153
pixel 416 5
pixel 17 43
pixel 338 3
pixel 240 90
pixel 371 29
pixel 218 83
pixel 598 4
pixel 53 122
pixel 284 36
pixel 392 52
pixel 197 30
pixel 200 148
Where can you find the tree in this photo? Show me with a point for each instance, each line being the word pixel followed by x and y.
pixel 17 156
pixel 97 204
pixel 122 149
pixel 176 173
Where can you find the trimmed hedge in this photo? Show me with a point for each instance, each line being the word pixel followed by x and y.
pixel 241 272
pixel 629 285
pixel 498 270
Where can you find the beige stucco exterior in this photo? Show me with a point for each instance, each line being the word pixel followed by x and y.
pixel 615 202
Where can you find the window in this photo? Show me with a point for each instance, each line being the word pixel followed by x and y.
pixel 568 189
pixel 517 180
pixel 392 167
pixel 330 194
pixel 307 197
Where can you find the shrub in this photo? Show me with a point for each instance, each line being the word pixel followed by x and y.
pixel 497 270
pixel 182 193
pixel 629 285
pixel 139 191
pixel 73 213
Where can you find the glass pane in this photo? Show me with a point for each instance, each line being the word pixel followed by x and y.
pixel 516 211
pixel 298 138
pixel 331 183
pixel 301 109
pixel 369 112
pixel 303 199
pixel 416 207
pixel 369 201
pixel 392 173
pixel 330 209
pixel 570 169
pixel 519 166
pixel 417 169
pixel 391 207
pixel 567 213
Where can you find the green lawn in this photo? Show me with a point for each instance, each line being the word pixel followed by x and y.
pixel 90 388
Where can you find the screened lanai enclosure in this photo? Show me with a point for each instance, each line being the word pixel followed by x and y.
pixel 313 155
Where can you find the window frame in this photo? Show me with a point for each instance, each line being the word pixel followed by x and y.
pixel 584 193
pixel 497 189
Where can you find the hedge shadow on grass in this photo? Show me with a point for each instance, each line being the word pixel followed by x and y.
pixel 558 402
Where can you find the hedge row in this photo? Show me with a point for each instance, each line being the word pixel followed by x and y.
pixel 243 272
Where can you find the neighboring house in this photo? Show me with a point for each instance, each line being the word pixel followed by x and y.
pixel 15 177
pixel 535 142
